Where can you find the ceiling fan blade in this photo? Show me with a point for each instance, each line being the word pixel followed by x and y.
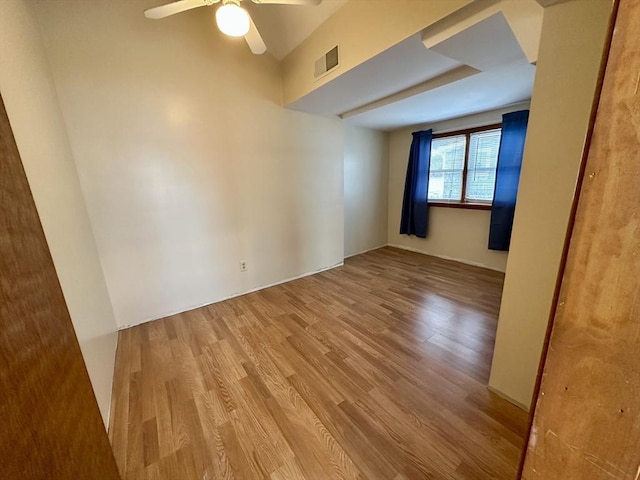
pixel 175 7
pixel 254 40
pixel 289 2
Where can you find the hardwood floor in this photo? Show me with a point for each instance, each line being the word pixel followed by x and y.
pixel 374 370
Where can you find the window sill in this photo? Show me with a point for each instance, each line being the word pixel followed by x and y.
pixel 468 205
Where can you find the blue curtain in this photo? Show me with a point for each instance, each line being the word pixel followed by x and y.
pixel 415 215
pixel 514 131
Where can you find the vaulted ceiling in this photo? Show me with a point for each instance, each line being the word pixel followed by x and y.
pixel 477 59
pixel 496 74
pixel 284 27
pixel 474 61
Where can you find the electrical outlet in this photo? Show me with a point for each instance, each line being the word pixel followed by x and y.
pixel 243 266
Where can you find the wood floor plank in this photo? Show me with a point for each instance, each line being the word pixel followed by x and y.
pixel 375 370
pixel 365 456
pixel 118 421
pixel 289 471
pixel 150 445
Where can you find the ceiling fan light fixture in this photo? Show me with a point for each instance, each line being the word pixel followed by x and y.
pixel 232 20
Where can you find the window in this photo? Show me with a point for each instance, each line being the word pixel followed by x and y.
pixel 446 168
pixel 463 164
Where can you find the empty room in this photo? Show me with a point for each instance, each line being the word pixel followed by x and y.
pixel 320 239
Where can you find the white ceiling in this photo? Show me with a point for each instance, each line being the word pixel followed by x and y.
pixel 478 93
pixel 409 84
pixel 402 66
pixel 284 27
pixel 505 77
pixel 478 69
pixel 486 45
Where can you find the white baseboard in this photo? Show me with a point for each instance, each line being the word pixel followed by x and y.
pixel 367 250
pixel 113 376
pixel 508 398
pixel 445 257
pixel 262 287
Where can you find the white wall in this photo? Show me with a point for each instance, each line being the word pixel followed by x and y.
pixel 366 175
pixel 188 161
pixel 458 234
pixel 571 47
pixel 32 105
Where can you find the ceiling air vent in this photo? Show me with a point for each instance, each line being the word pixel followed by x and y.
pixel 326 63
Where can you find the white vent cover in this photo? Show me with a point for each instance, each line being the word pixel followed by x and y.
pixel 326 63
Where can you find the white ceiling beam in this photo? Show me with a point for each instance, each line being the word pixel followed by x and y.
pixel 431 84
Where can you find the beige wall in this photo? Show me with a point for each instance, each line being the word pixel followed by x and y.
pixel 32 105
pixel 363 29
pixel 188 161
pixel 571 47
pixel 366 175
pixel 456 234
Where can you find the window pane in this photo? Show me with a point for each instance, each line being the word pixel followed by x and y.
pixel 483 159
pixel 445 171
pixel 445 185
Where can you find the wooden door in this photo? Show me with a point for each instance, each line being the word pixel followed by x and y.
pixel 587 415
pixel 50 426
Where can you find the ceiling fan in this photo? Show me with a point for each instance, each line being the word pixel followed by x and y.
pixel 231 18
